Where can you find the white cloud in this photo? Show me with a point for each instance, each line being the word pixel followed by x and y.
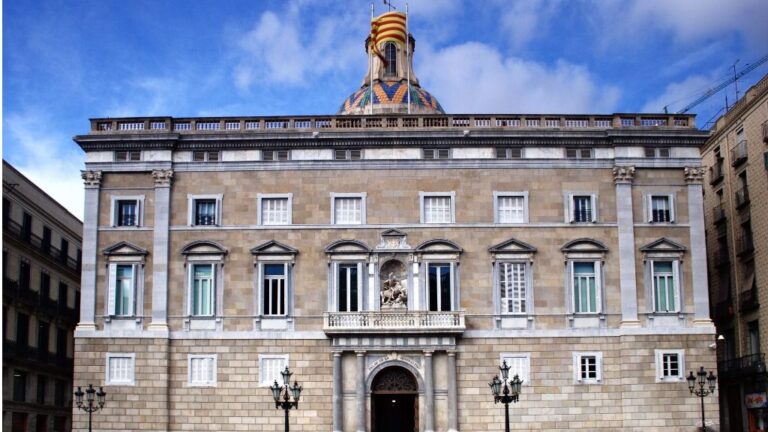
pixel 526 20
pixel 679 94
pixel 476 78
pixel 44 159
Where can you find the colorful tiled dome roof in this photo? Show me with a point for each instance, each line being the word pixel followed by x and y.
pixel 391 97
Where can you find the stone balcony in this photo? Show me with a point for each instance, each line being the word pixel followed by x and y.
pixel 393 322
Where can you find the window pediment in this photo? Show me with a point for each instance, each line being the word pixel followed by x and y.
pixel 663 245
pixel 512 246
pixel 347 246
pixel 126 249
pixel 273 247
pixel 439 246
pixel 584 245
pixel 204 247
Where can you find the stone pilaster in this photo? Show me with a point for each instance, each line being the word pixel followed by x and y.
pixel 693 178
pixel 92 182
pixel 338 421
pixel 360 393
pixel 163 180
pixel 453 406
pixel 623 177
pixel 429 394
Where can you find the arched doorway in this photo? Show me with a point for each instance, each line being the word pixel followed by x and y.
pixel 394 401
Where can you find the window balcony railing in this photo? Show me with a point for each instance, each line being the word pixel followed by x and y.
pixel 744 244
pixel 742 366
pixel 716 172
pixel 739 153
pixel 394 322
pixel 41 245
pixel 718 214
pixel 748 300
pixel 741 197
pixel 765 133
pixel 722 258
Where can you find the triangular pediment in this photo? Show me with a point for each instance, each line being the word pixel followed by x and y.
pixel 273 247
pixel 347 246
pixel 438 245
pixel 663 245
pixel 512 246
pixel 203 247
pixel 584 245
pixel 124 248
pixel 392 232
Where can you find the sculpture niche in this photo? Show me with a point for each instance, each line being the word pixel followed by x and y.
pixel 394 294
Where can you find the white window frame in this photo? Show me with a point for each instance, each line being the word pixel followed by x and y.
pixel 598 285
pixel 137 284
pixel 114 208
pixel 525 374
pixel 675 278
pixel 191 207
pixel 577 378
pixel 361 196
pixel 215 277
pixel 497 196
pixel 259 210
pixel 286 288
pixel 649 207
pixel 659 355
pixel 527 279
pixel 423 196
pixel 131 381
pixel 362 273
pixel 453 289
pixel 191 382
pixel 263 380
pixel 571 208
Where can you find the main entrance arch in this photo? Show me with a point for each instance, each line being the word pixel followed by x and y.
pixel 394 401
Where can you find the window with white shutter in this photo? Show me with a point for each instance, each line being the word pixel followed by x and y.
pixel 437 207
pixel 270 366
pixel 519 364
pixel 202 370
pixel 120 369
pixel 275 209
pixel 588 367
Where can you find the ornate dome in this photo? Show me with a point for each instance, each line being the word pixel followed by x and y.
pixel 390 97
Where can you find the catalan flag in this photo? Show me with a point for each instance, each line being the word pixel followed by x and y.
pixel 387 27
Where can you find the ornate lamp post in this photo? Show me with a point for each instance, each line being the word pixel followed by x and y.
pixel 511 392
pixel 88 405
pixel 703 382
pixel 282 392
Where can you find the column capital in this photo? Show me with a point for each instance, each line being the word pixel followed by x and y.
pixel 337 353
pixel 623 174
pixel 91 178
pixel 694 175
pixel 361 353
pixel 451 353
pixel 162 177
pixel 428 353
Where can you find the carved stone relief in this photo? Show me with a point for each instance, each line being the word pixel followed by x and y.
pixel 394 285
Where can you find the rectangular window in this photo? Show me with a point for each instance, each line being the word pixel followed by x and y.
pixel 42 423
pixel 670 365
pixel 61 343
pixel 24 275
pixel 437 153
pixel 664 286
pixel 578 153
pixel 205 156
pixel 274 155
pixel 202 370
pixel 19 385
pixel 348 210
pixel 509 152
pixel 60 393
pixel 660 208
pixel 354 154
pixel 45 286
pixel 588 367
pixel 127 212
pixel 205 212
pixel 582 208
pixel 120 369
pixel 203 290
pixel 512 284
pixel 585 287
pixel 657 152
pixel 124 287
pixel 753 334
pixel 270 367
pixel 43 338
pixel 22 330
pixel 437 209
pixel 520 365
pixel 274 289
pixel 275 211
pixel 348 289
pixel 42 384
pixel 510 209
pixel 439 287
pixel 126 156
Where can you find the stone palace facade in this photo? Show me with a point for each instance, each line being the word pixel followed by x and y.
pixel 393 260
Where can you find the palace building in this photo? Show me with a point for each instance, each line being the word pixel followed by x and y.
pixel 393 255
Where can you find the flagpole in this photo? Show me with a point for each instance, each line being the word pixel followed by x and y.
pixel 408 59
pixel 370 67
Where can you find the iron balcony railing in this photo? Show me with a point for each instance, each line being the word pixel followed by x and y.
pixel 716 172
pixel 748 300
pixel 741 197
pixel 42 302
pixel 742 366
pixel 394 322
pixel 744 244
pixel 765 132
pixel 718 213
pixel 722 257
pixel 42 245
pixel 739 153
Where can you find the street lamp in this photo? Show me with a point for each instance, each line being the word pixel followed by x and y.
pixel 703 382
pixel 88 405
pixel 511 392
pixel 279 391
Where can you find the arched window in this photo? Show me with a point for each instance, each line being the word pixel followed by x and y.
pixel 390 53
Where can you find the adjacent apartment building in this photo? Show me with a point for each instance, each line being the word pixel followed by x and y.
pixel 736 215
pixel 393 255
pixel 41 286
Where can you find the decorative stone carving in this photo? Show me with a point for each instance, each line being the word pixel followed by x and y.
pixel 393 239
pixel 694 174
pixel 91 178
pixel 393 294
pixel 162 177
pixel 623 174
pixel 395 379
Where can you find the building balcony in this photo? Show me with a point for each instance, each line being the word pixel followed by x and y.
pixel 741 197
pixel 748 300
pixel 40 245
pixel 739 153
pixel 388 322
pixel 744 244
pixel 722 258
pixel 748 365
pixel 716 172
pixel 765 132
pixel 718 214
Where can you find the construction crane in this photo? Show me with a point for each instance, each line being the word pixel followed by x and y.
pixel 722 85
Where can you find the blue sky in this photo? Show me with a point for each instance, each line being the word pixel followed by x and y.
pixel 65 62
